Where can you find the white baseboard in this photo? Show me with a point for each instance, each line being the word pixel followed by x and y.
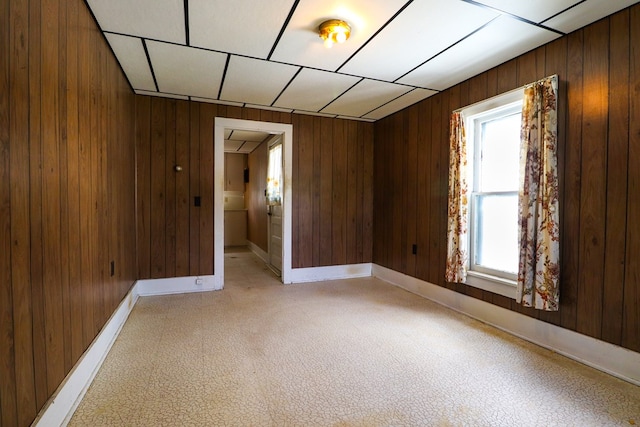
pixel 332 272
pixel 258 251
pixel 61 406
pixel 179 285
pixel 614 360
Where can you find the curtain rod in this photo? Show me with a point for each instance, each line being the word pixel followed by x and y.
pixel 504 93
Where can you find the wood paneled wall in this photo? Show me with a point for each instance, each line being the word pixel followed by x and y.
pixel 257 220
pixel 599 160
pixel 67 207
pixel 332 187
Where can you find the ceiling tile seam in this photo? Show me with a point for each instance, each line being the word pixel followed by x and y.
pixel 388 102
pixel 241 145
pixel 339 96
pixel 271 60
pixel 186 23
pixel 224 75
pixel 375 34
pixel 153 73
pixel 287 85
pixel 284 27
pixel 445 49
pixel 562 11
pixel 514 16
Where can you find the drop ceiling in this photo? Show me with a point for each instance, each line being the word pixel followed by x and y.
pixel 267 54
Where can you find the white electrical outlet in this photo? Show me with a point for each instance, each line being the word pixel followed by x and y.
pixel 199 281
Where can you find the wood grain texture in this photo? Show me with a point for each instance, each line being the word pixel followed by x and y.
pixel 593 184
pixel 616 193
pixel 20 210
pixel 631 308
pixel 8 406
pixel 332 186
pixel 598 131
pixel 61 93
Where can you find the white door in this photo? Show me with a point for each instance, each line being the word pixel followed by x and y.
pixel 274 204
pixel 275 238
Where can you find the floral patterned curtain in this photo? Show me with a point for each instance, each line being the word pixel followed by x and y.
pixel 274 176
pixel 457 230
pixel 539 236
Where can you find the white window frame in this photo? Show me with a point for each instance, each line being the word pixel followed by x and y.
pixel 501 283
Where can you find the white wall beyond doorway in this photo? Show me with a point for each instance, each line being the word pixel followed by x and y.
pixel 218 204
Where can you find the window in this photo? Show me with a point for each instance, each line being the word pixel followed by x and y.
pixel 493 138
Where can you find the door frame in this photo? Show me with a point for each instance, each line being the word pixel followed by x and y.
pixel 220 124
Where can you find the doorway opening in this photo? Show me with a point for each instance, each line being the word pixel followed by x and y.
pixel 281 132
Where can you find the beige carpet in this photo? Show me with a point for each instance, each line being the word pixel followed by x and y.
pixel 343 353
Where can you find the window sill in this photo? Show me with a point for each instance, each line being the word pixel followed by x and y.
pixel 497 285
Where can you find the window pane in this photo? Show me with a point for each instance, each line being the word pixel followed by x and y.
pixel 500 154
pixel 497 232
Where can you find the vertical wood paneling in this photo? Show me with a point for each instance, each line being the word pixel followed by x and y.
pixel 8 406
pixel 593 185
pixel 85 156
pixel 60 97
pixel 143 182
pixel 194 188
pixel 394 193
pixel 438 135
pixel 598 129
pixel 368 192
pixel 326 191
pixel 616 193
pixel 339 199
pixel 170 189
pixel 303 215
pixel 332 185
pixel 572 181
pixel 182 190
pixel 631 309
pixel 207 112
pixel 411 187
pixel 351 194
pixel 423 199
pixel 51 197
pixel 20 213
pixel 73 166
pixel 315 189
pixel 158 187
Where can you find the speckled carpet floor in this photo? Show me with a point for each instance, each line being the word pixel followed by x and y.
pixel 342 353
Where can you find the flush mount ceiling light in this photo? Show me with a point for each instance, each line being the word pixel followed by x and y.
pixel 334 31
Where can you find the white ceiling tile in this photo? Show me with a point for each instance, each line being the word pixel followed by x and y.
pixel 364 97
pixel 311 90
pixel 231 145
pixel 185 70
pixel 153 19
pixel 535 11
pixel 130 54
pixel 505 37
pixel 161 94
pixel 248 135
pixel 586 13
pixel 300 43
pixel 398 104
pixel 245 27
pixel 227 133
pixel 249 146
pixel 254 81
pixel 422 30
